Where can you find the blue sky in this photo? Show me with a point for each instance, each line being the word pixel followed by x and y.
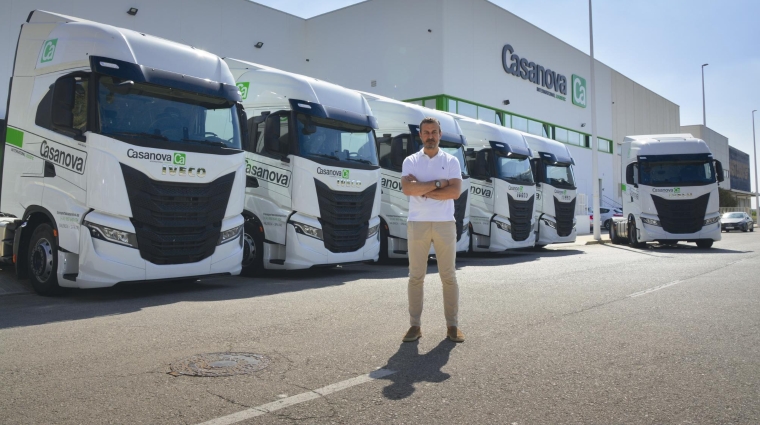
pixel 660 44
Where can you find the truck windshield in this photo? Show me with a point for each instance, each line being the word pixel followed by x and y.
pixel 129 111
pixel 326 139
pixel 513 170
pixel 675 171
pixel 560 176
pixel 456 150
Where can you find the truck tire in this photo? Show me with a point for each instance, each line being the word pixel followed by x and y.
pixel 613 234
pixel 42 261
pixel 704 243
pixel 253 249
pixel 632 240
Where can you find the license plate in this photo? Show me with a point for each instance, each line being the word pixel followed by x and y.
pixel 729 227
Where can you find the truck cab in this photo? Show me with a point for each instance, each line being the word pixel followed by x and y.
pixel 502 189
pixel 552 166
pixel 122 158
pixel 398 137
pixel 311 195
pixel 670 192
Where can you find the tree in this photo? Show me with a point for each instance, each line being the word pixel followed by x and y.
pixel 726 198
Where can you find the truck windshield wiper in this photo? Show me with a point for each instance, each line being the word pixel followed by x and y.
pixel 131 134
pixel 206 142
pixel 363 161
pixel 321 155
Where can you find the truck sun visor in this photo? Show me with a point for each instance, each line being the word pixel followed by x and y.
pixel 322 111
pixel 142 74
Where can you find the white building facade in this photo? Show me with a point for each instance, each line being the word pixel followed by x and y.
pixel 469 57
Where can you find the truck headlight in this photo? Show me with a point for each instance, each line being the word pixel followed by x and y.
pixel 713 220
pixel 230 235
pixel 651 221
pixel 550 223
pixel 373 231
pixel 503 226
pixel 109 234
pixel 307 230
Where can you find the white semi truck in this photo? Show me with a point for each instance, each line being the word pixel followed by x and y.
pixel 502 190
pixel 552 166
pixel 670 192
pixel 311 196
pixel 398 137
pixel 122 158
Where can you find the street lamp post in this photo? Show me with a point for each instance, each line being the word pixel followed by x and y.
pixel 704 114
pixel 594 140
pixel 757 189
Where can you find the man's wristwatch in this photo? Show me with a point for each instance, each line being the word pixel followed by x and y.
pixel 438 184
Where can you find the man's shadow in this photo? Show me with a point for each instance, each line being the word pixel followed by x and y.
pixel 411 368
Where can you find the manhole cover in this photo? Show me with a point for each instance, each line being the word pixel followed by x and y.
pixel 220 364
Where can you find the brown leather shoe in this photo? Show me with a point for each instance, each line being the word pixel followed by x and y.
pixel 413 334
pixel 455 334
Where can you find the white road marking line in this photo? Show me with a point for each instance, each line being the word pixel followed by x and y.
pixel 656 288
pixel 299 398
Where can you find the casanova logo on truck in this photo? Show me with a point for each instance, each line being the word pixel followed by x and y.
pixel 280 178
pixel 68 158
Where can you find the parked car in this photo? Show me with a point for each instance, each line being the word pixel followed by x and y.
pixel 736 221
pixel 606 215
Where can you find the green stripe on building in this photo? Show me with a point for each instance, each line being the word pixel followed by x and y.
pixel 14 137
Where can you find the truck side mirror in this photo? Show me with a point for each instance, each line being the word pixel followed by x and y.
pixel 243 120
pixel 63 104
pixel 272 134
pixel 629 175
pixel 535 163
pixel 719 171
pixel 469 153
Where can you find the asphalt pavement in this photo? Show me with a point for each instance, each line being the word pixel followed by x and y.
pixel 586 334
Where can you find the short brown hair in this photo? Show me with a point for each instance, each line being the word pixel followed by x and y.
pixel 430 120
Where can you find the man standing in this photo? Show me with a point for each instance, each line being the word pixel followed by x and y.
pixel 432 179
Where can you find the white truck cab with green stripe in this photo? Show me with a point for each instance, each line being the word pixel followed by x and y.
pixel 311 195
pixel 122 158
pixel 670 192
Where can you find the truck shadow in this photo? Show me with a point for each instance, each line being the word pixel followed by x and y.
pixel 680 248
pixel 29 309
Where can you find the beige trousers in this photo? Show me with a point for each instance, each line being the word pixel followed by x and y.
pixel 443 235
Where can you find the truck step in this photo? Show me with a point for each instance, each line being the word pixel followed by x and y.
pixel 280 262
pixel 71 276
pixel 398 251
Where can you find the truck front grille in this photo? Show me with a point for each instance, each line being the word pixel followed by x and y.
pixel 176 223
pixel 460 208
pixel 565 213
pixel 344 216
pixel 520 215
pixel 682 215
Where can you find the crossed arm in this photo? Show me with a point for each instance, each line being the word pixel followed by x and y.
pixel 450 189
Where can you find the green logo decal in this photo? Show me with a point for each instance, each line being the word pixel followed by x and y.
pixel 579 91
pixel 179 158
pixel 521 189
pixel 243 87
pixel 676 190
pixel 48 50
pixel 345 174
pixel 14 137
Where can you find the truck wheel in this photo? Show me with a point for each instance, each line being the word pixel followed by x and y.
pixel 253 249
pixel 704 243
pixel 613 235
pixel 42 261
pixel 384 235
pixel 632 240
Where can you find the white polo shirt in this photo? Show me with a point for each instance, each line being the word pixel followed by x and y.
pixel 441 166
